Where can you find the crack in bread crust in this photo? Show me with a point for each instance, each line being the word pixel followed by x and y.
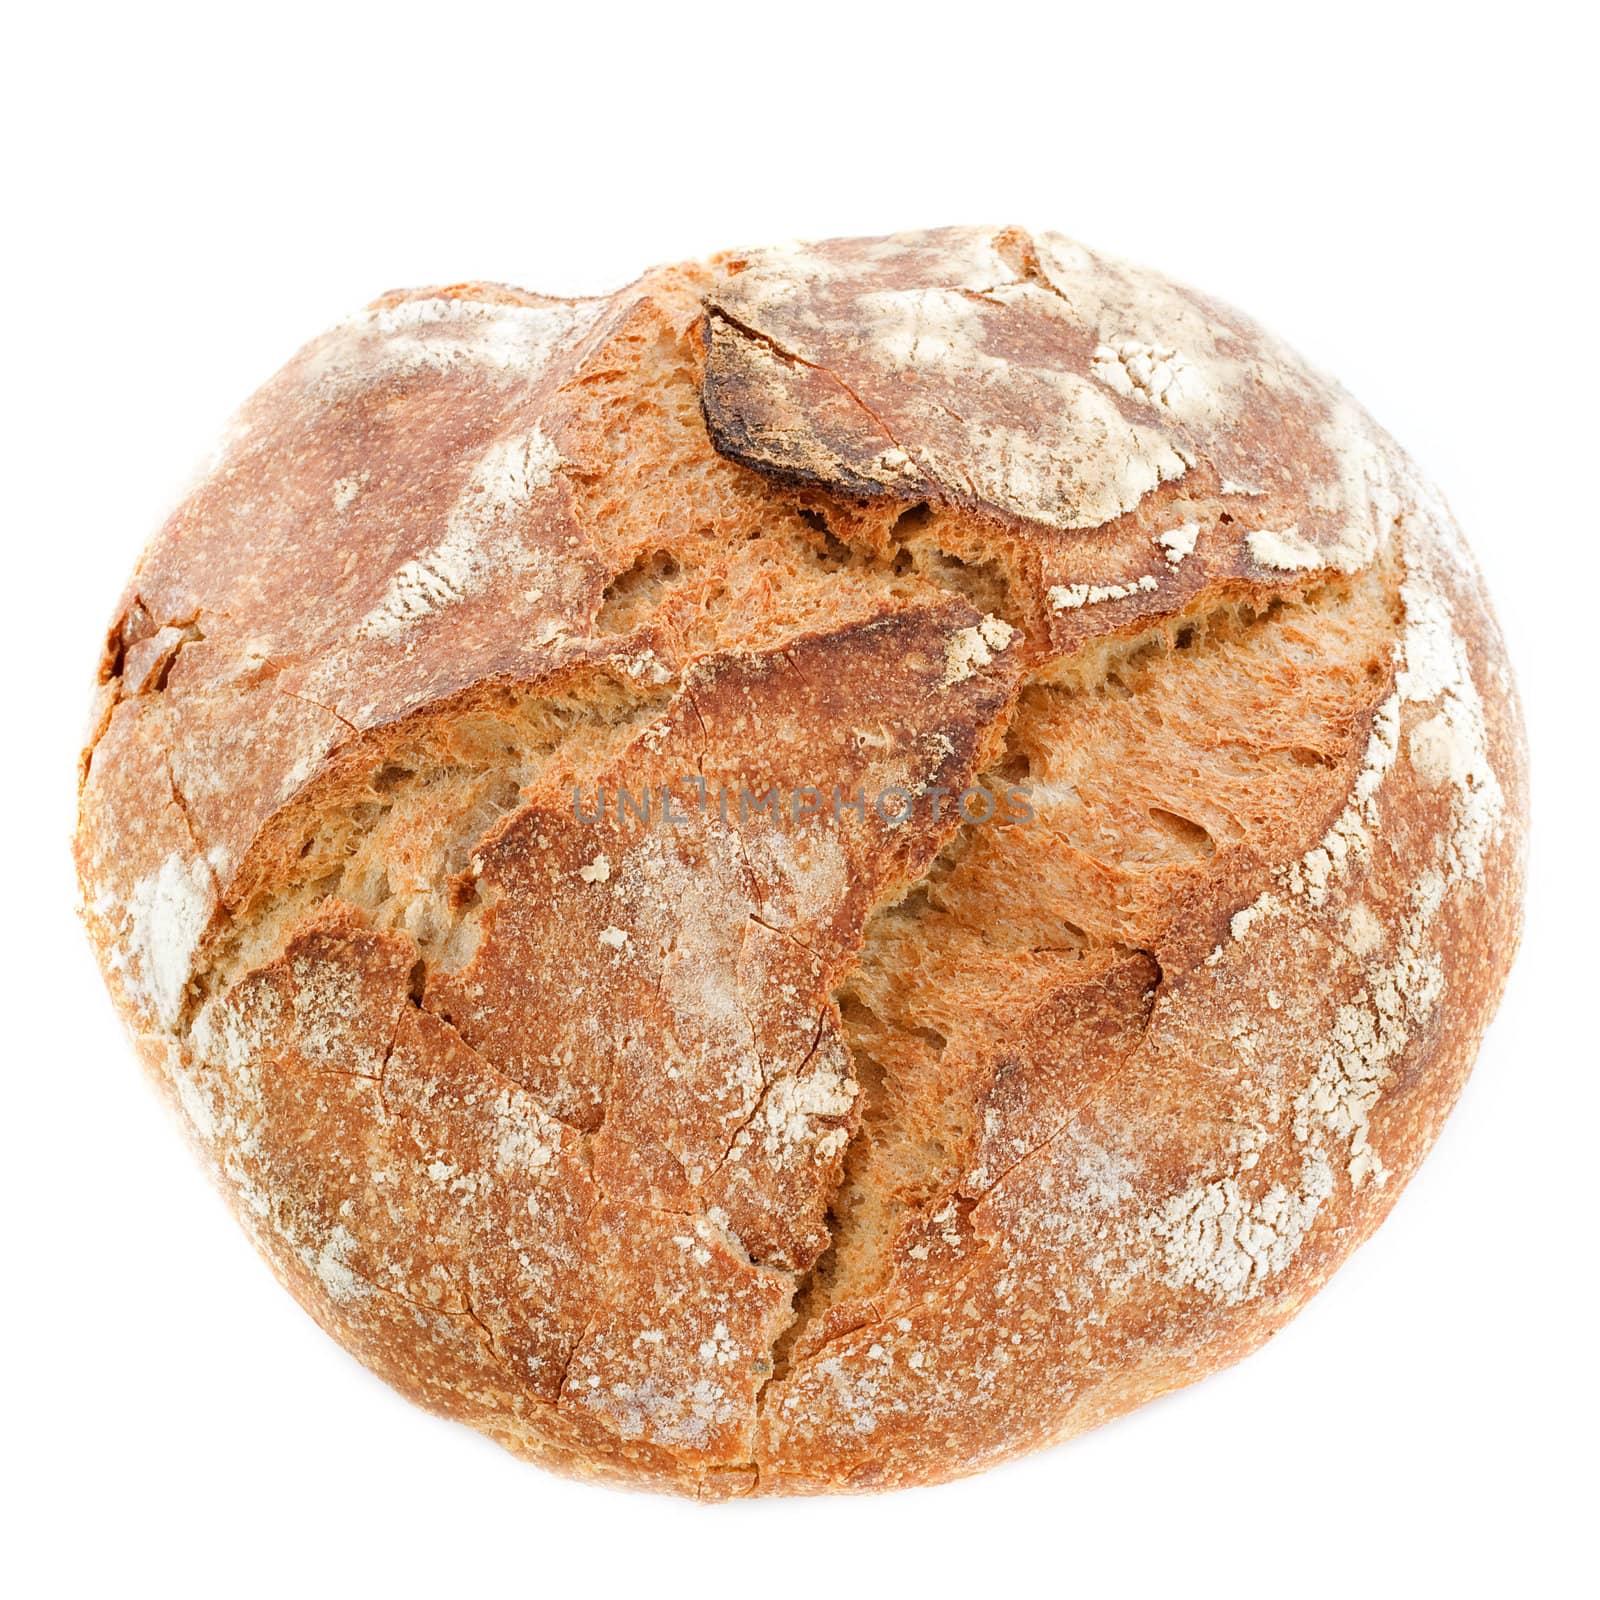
pixel 737 1156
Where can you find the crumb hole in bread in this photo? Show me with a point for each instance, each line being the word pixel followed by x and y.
pixel 832 553
pixel 636 594
pixel 984 582
pixel 1190 835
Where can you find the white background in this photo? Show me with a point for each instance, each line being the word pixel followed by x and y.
pixel 1404 193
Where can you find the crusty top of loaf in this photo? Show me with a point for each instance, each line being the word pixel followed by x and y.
pixel 1054 390
pixel 427 541
pixel 968 506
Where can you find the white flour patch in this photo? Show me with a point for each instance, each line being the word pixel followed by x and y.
pixel 1153 373
pixel 659 1410
pixel 1363 933
pixel 1447 750
pixel 332 1268
pixel 974 648
pixel 233 1038
pixel 195 1106
pixel 1067 597
pixel 167 913
pixel 1451 749
pixel 720 1349
pixel 524 1138
pixel 1364 496
pixel 1215 1238
pixel 1178 542
pixel 1283 550
pixel 808 875
pixel 480 537
pixel 438 334
pixel 795 1103
pixel 928 327
pixel 1372 1032
pixel 328 1005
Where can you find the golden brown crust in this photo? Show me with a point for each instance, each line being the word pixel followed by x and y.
pixel 732 1151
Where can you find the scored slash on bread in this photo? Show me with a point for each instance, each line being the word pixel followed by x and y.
pixel 740 1155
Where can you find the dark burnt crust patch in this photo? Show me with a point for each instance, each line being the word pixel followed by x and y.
pixel 792 421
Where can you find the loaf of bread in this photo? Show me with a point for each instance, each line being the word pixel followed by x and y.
pixel 837 866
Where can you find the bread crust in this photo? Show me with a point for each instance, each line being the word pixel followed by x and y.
pixel 775 1153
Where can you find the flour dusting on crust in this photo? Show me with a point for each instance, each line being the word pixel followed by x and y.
pixel 480 536
pixel 167 913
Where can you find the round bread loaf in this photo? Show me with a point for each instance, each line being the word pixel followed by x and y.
pixel 834 867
